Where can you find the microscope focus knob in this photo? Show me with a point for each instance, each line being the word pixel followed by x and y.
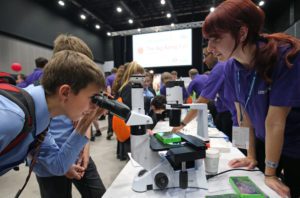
pixel 161 180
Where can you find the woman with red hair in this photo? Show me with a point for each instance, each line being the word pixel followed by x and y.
pixel 263 74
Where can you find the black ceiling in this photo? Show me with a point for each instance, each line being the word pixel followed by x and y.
pixel 145 13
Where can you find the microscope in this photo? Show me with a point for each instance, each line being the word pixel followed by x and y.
pixel 164 165
pixel 174 96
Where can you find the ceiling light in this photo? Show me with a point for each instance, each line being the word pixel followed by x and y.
pixel 97 26
pixel 82 16
pixel 212 9
pixel 162 2
pixel 261 3
pixel 119 9
pixel 169 15
pixel 172 24
pixel 139 29
pixel 61 3
pixel 130 21
pixel 108 34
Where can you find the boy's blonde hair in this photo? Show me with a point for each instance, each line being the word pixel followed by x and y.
pixel 72 68
pixel 73 43
pixel 132 68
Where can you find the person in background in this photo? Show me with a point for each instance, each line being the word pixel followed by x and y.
pixel 165 77
pixel 118 79
pixel 110 80
pixel 124 91
pixel 157 107
pixel 149 93
pixel 263 76
pixel 20 78
pixel 98 131
pixel 198 82
pixel 59 164
pixel 149 78
pixel 35 76
pixel 174 75
pixel 109 83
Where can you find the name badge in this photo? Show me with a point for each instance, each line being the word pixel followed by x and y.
pixel 240 137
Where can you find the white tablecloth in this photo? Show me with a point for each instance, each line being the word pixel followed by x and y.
pixel 121 187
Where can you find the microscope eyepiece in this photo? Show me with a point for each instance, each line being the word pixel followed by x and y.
pixel 115 107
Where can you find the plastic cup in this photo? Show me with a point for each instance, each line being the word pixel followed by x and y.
pixel 212 161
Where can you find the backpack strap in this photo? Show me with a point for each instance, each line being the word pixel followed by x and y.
pixel 7 78
pixel 26 103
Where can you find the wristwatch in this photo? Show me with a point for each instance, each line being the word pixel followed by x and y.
pixel 271 164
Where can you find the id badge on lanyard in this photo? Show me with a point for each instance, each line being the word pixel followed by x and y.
pixel 241 135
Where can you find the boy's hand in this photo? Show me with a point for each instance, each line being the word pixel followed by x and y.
pixel 88 118
pixel 84 157
pixel 75 172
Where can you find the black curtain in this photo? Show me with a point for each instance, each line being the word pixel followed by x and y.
pixel 122 50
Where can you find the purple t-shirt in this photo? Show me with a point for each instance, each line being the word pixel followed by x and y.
pixel 34 76
pixel 197 84
pixel 284 91
pixel 215 88
pixel 110 80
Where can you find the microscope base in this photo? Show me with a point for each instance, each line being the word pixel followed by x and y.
pixel 164 176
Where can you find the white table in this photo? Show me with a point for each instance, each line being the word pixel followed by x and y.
pixel 121 187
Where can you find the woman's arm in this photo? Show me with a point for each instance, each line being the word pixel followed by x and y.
pixel 275 126
pixel 191 114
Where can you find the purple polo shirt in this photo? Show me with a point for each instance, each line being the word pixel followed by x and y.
pixel 197 84
pixel 220 106
pixel 284 91
pixel 34 76
pixel 110 80
pixel 215 88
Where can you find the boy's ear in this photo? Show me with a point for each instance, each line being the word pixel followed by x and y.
pixel 64 91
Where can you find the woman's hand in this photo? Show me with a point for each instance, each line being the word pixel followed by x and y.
pixel 248 162
pixel 275 184
pixel 150 132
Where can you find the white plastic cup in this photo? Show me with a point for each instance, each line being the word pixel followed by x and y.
pixel 212 161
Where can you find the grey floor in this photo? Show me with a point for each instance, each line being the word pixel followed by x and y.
pixel 102 151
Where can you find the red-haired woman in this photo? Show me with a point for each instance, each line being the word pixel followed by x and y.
pixel 264 77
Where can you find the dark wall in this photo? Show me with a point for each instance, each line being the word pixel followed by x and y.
pixel 108 49
pixel 123 53
pixel 30 21
pixel 279 21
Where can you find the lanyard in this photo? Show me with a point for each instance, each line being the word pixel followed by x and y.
pixel 249 94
